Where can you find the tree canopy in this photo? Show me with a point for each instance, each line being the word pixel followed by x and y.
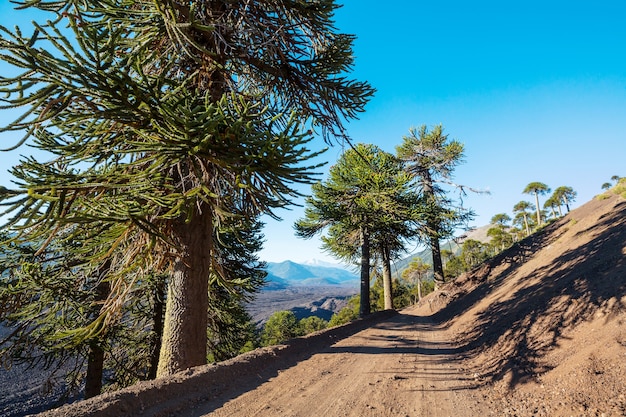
pixel 367 209
pixel 165 120
pixel 431 157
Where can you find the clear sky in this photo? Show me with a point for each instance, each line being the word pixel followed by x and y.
pixel 535 90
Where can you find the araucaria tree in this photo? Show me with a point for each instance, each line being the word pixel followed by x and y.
pixel 163 120
pixel 367 208
pixel 430 157
pixel 521 209
pixel 537 189
pixel 564 195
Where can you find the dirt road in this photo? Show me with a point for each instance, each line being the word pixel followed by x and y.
pixel 401 366
pixel 539 330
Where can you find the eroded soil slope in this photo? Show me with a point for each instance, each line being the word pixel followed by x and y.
pixel 538 331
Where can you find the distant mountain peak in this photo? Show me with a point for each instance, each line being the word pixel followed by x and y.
pixel 290 273
pixel 319 262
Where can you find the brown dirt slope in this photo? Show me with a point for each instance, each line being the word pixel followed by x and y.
pixel 540 330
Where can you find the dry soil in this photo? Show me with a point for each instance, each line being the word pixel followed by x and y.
pixel 538 331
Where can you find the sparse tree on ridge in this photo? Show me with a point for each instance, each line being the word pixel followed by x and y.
pixel 500 237
pixel 537 189
pixel 554 204
pixel 522 209
pixel 565 195
pixel 431 158
pixel 473 253
pixel 501 219
pixel 160 116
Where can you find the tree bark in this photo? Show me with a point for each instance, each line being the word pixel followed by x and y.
pixel 538 209
pixel 364 307
pixel 387 285
pixel 157 320
pixel 526 224
pixel 95 357
pixel 437 263
pixel 95 369
pixel 184 343
pixel 433 227
pixel 419 287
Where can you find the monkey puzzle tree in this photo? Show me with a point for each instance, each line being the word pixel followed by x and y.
pixel 366 206
pixel 522 209
pixel 553 203
pixel 431 158
pixel 564 195
pixel 156 117
pixel 537 189
pixel 415 274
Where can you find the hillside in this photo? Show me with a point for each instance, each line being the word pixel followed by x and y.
pixel 538 331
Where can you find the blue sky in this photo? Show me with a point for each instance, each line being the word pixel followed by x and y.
pixel 535 90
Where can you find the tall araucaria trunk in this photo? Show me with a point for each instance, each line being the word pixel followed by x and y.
pixel 437 263
pixel 95 357
pixel 364 307
pixel 434 226
pixel 184 343
pixel 157 327
pixel 387 287
pixel 95 370
pixel 538 209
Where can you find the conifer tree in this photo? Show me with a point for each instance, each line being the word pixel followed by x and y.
pixel 537 188
pixel 431 158
pixel 367 209
pixel 158 118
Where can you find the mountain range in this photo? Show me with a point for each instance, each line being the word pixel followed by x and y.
pixel 281 275
pixel 286 274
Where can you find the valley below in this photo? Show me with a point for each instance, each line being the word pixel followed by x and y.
pixel 304 301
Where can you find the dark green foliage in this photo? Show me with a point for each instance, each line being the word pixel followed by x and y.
pixel 401 294
pixel 312 324
pixel 241 275
pixel 346 314
pixel 152 127
pixel 280 327
pixel 367 209
pixel 431 159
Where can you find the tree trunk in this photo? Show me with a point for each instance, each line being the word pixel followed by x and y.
pixel 437 263
pixel 433 225
pixel 538 210
pixel 387 285
pixel 157 320
pixel 184 343
pixel 364 307
pixel 95 369
pixel 95 357
pixel 526 224
pixel 419 287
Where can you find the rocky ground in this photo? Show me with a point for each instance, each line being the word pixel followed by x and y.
pixel 538 331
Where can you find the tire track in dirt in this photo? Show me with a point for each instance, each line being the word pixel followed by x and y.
pixel 401 366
